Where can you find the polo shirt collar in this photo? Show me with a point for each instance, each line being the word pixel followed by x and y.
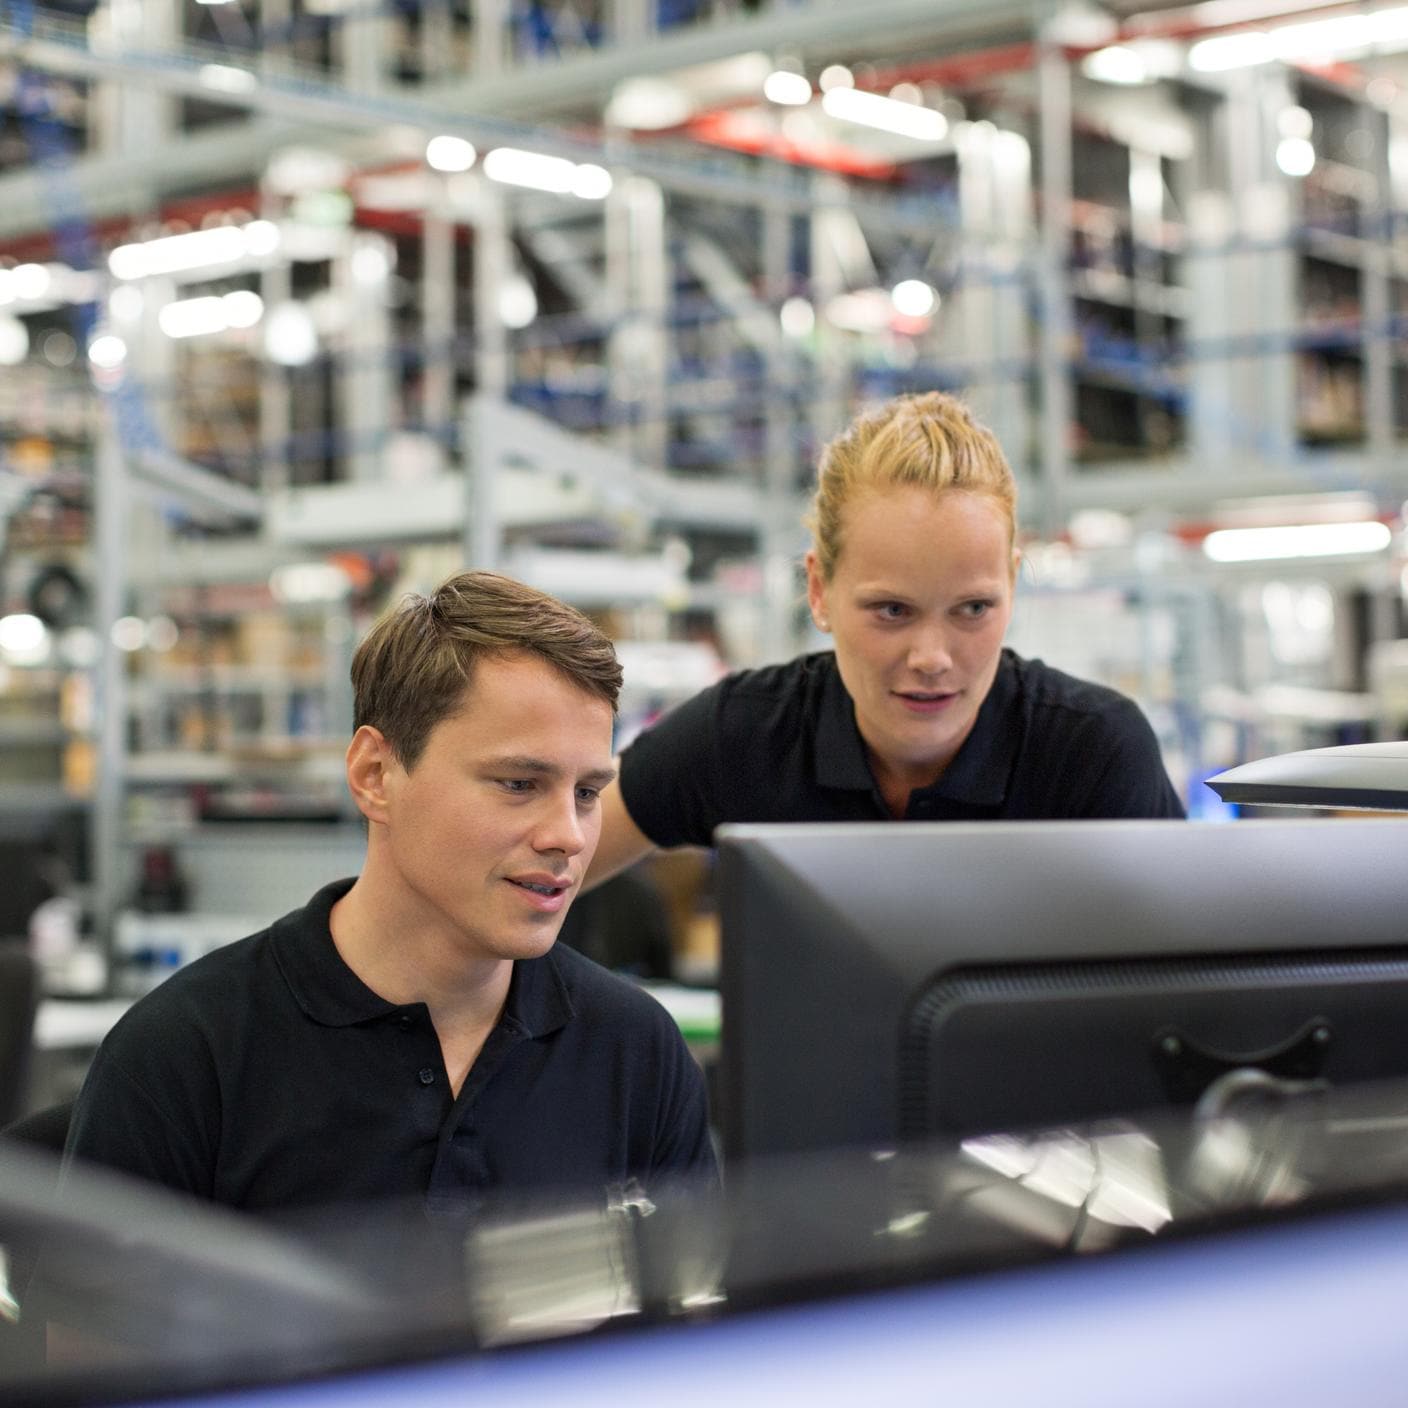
pixel 330 993
pixel 978 775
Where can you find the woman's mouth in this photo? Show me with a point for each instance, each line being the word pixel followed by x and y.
pixel 924 701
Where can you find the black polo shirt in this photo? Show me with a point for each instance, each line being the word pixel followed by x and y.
pixel 780 743
pixel 266 1075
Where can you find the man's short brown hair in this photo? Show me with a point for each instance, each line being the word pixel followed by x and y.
pixel 417 663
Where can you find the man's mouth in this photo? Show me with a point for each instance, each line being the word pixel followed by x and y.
pixel 540 887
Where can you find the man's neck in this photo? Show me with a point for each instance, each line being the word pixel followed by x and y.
pixel 404 955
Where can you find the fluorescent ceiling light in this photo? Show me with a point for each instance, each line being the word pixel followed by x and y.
pixel 590 182
pixel 107 351
pixel 555 174
pixel 290 336
pixel 1229 51
pixel 913 298
pixel 517 302
pixel 445 153
pixel 196 249
pixel 14 341
pixel 787 88
pixel 1295 156
pixel 1117 63
pixel 1296 540
pixel 225 78
pixel 1340 37
pixel 797 317
pixel 23 638
pixel 887 115
pixel 298 583
pixel 196 317
pixel 648 105
pixel 30 281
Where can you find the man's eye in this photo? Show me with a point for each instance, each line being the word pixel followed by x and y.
pixel 516 785
pixel 588 796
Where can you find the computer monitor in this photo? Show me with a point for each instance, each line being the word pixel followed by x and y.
pixel 885 982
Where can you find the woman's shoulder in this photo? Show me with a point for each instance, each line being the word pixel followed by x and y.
pixel 1045 686
pixel 782 676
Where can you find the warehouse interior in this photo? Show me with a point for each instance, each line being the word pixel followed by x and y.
pixel 305 304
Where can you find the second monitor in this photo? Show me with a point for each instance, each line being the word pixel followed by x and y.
pixel 884 982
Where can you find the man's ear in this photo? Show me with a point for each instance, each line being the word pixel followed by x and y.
pixel 369 761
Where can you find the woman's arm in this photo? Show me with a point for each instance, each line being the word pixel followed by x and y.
pixel 622 841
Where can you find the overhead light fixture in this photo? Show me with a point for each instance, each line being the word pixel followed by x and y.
pixel 14 341
pixel 648 105
pixel 300 583
pixel 1117 63
pixel 1340 37
pixel 885 114
pixel 1295 156
pixel 23 638
pixel 197 317
pixel 913 298
pixel 517 301
pixel 787 88
pixel 107 351
pixel 450 154
pixel 797 317
pixel 195 249
pixel 225 78
pixel 290 335
pixel 1228 51
pixel 1296 540
pixel 1372 776
pixel 513 166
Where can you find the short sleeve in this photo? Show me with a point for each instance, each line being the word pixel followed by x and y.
pixel 148 1108
pixel 671 778
pixel 684 1146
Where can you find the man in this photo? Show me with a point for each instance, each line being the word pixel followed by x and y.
pixel 415 1031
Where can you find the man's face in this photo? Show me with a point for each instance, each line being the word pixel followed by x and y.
pixel 490 833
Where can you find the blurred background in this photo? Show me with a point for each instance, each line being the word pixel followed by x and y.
pixel 306 303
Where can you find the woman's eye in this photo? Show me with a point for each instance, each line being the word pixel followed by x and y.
pixel 890 610
pixel 976 610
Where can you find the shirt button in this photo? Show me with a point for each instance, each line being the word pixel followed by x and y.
pixel 426 1076
pixel 405 1019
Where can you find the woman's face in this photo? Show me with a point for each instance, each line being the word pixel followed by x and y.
pixel 918 606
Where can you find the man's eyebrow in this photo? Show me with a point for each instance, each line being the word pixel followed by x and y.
pixel 597 777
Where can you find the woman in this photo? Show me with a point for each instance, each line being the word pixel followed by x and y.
pixel 919 713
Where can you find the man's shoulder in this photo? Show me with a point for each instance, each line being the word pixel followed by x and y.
pixel 214 985
pixel 605 997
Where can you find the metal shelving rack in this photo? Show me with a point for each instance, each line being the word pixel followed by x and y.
pixel 688 330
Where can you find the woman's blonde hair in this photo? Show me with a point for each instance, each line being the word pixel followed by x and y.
pixel 929 441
